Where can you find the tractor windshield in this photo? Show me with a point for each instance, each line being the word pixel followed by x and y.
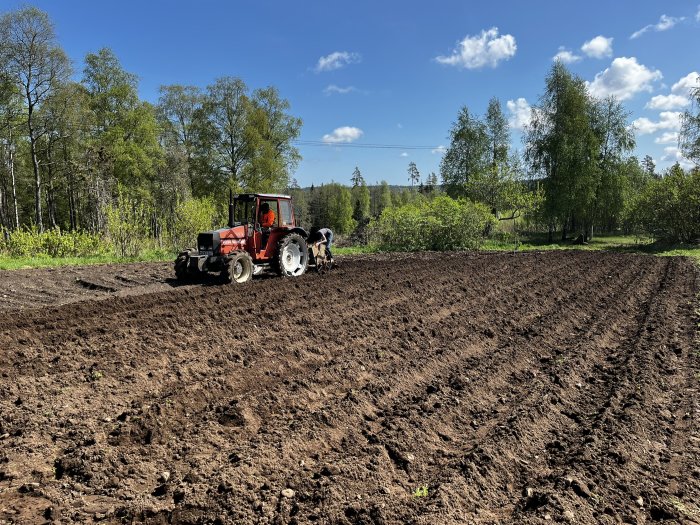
pixel 243 211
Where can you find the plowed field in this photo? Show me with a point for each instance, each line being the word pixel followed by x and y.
pixel 422 389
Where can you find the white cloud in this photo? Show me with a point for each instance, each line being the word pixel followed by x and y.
pixel 668 137
pixel 336 60
pixel 344 134
pixel 697 15
pixel 403 154
pixel 329 90
pixel 399 125
pixel 487 49
pixel 673 154
pixel 679 96
pixel 685 84
pixel 598 47
pixel 520 113
pixel 440 150
pixel 667 120
pixel 667 102
pixel 624 78
pixel 566 56
pixel 665 23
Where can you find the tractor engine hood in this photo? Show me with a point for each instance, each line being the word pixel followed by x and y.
pixel 222 242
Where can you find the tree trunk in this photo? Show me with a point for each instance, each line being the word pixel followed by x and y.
pixel 3 208
pixel 35 165
pixel 14 182
pixel 72 218
pixel 71 206
pixel 50 195
pixel 563 229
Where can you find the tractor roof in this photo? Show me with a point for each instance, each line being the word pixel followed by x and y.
pixel 263 195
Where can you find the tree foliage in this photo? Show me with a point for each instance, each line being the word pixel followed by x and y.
pixel 576 144
pixel 497 133
pixel 689 137
pixel 467 153
pixel 413 174
pixel 669 208
pixel 33 61
pixel 562 147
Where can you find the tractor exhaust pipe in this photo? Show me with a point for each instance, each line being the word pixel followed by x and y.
pixel 230 208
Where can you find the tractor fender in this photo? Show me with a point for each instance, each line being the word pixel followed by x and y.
pixel 301 231
pixel 231 255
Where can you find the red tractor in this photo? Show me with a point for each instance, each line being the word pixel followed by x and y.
pixel 261 234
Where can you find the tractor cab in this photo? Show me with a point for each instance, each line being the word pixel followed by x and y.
pixel 265 219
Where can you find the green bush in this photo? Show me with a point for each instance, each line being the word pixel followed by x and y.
pixel 669 208
pixel 192 216
pixel 440 224
pixel 29 242
pixel 128 225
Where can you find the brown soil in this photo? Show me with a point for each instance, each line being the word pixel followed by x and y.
pixel 422 389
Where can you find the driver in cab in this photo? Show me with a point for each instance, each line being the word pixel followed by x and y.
pixel 267 221
pixel 267 216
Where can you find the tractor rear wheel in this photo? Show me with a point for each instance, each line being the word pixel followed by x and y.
pixel 239 268
pixel 292 256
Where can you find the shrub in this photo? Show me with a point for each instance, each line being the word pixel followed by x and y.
pixel 669 208
pixel 441 224
pixel 192 216
pixel 127 225
pixel 29 242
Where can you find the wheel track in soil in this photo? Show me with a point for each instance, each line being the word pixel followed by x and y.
pixel 344 412
pixel 492 365
pixel 526 418
pixel 604 409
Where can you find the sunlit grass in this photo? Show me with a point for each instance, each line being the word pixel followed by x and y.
pixel 615 243
pixel 17 263
pixel 354 250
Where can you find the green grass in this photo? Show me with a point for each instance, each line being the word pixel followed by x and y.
pixel 613 243
pixel 45 261
pixel 354 250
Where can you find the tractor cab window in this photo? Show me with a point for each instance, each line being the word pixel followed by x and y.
pixel 270 221
pixel 286 213
pixel 243 211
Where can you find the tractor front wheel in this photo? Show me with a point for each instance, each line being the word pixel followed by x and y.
pixel 181 262
pixel 239 268
pixel 292 256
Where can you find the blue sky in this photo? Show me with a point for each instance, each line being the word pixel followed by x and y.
pixel 396 73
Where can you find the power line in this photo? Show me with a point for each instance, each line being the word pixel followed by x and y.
pixel 360 145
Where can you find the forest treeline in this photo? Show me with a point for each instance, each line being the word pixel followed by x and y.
pixel 81 152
